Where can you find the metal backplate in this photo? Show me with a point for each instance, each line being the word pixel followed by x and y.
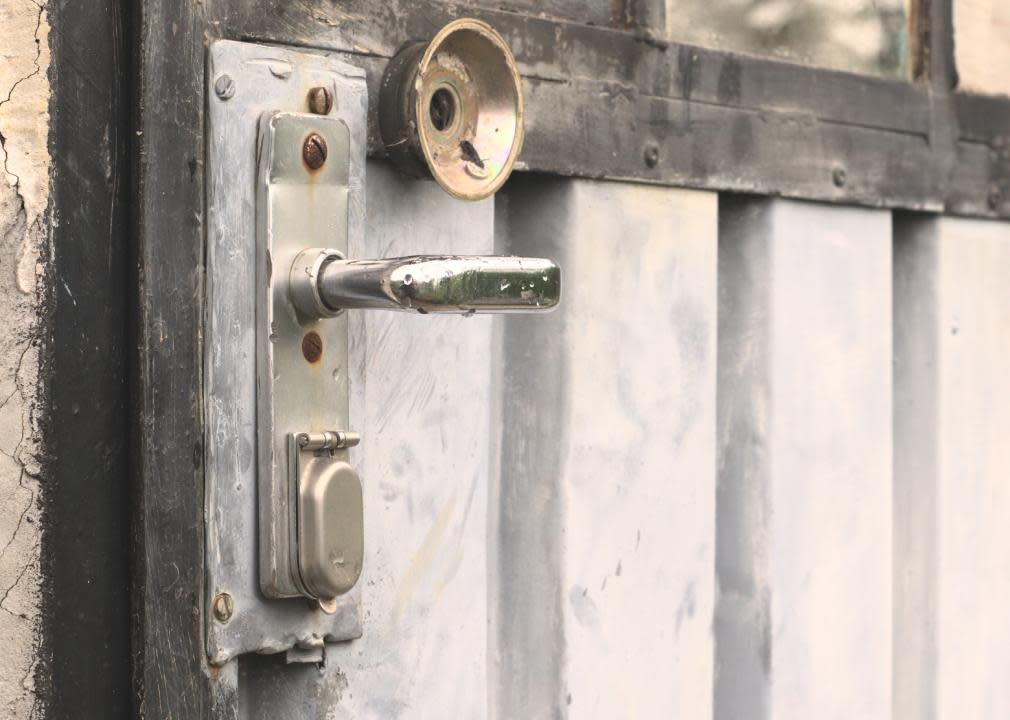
pixel 301 363
pixel 247 83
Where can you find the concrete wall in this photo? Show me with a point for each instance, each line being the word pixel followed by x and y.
pixel 24 191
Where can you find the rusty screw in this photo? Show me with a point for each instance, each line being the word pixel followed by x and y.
pixel 314 151
pixel 224 606
pixel 312 346
pixel 320 100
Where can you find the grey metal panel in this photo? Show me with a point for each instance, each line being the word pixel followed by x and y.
pixel 803 562
pixel 420 397
pixel 265 79
pixel 742 625
pixel 955 326
pixel 526 515
pixel 916 453
pixel 604 535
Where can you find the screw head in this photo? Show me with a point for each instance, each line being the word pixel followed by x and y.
pixel 320 100
pixel 994 198
pixel 838 177
pixel 224 86
pixel 224 606
pixel 651 155
pixel 312 346
pixel 314 151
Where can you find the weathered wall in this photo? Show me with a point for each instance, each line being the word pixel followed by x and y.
pixel 24 190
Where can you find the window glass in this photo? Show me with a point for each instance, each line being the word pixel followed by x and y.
pixel 982 45
pixel 865 36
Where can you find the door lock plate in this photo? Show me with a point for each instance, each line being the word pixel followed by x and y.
pixel 262 192
pixel 301 361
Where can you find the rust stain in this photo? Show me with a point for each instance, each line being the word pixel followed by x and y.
pixel 622 14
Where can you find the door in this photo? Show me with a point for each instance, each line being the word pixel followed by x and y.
pixel 751 464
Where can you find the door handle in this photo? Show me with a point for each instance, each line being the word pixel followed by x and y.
pixel 323 284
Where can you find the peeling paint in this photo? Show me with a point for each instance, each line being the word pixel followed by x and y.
pixel 24 196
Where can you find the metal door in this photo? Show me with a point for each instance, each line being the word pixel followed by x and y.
pixel 753 464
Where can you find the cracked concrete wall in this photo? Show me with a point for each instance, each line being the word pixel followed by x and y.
pixel 24 193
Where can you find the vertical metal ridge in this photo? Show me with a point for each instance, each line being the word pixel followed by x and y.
pixel 742 622
pixel 916 455
pixel 527 641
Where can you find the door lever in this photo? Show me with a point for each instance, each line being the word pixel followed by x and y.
pixel 322 284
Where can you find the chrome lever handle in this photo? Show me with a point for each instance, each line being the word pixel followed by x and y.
pixel 323 284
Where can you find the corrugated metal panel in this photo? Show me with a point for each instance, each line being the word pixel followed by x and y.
pixel 607 489
pixel 659 502
pixel 803 620
pixel 952 317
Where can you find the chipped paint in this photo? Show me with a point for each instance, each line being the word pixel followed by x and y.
pixel 24 193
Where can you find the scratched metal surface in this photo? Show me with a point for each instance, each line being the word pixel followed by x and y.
pixel 815 555
pixel 565 517
pixel 421 398
pixel 525 551
pixel 803 562
pixel 952 461
pixel 265 79
pixel 604 519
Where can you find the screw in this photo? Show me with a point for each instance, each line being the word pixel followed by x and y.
pixel 224 86
pixel 224 606
pixel 838 177
pixel 312 346
pixel 651 155
pixel 314 151
pixel 320 100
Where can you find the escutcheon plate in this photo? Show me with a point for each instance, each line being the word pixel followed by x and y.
pixel 266 81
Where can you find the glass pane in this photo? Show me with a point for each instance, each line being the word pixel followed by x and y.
pixel 982 45
pixel 865 36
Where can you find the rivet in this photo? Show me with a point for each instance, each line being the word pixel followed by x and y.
pixel 224 606
pixel 651 155
pixel 314 151
pixel 320 100
pixel 994 198
pixel 224 86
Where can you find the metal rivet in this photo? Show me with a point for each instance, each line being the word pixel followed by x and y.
pixel 651 155
pixel 312 346
pixel 320 100
pixel 314 151
pixel 838 177
pixel 224 86
pixel 224 606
